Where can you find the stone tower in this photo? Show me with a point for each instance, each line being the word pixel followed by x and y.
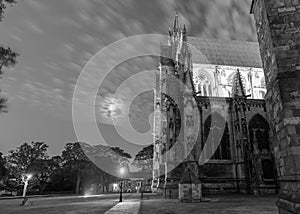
pixel 174 128
pixel 278 29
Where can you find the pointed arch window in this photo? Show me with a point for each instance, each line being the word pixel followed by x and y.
pixel 219 136
pixel 259 133
pixel 203 83
pixel 205 90
pixel 210 90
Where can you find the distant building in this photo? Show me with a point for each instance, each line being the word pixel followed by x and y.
pixel 134 182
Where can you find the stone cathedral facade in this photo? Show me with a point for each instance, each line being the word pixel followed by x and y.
pixel 210 117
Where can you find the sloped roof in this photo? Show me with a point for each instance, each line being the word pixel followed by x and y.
pixel 222 52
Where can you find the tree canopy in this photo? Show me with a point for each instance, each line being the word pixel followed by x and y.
pixel 79 166
pixel 3 169
pixel 8 57
pixel 144 159
pixel 3 5
pixel 26 154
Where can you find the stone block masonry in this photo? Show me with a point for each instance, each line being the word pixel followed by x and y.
pixel 278 29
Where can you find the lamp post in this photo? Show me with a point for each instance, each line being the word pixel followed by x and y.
pixel 25 180
pixel 122 172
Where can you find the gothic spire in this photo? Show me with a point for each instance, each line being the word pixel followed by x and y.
pixel 184 32
pixel 170 32
pixel 238 89
pixel 176 23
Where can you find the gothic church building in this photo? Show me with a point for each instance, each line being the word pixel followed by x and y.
pixel 214 124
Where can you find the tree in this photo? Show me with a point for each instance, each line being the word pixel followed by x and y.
pixel 3 5
pixel 121 152
pixel 5 175
pixel 76 162
pixel 83 160
pixel 7 55
pixel 30 158
pixel 26 154
pixel 43 171
pixel 25 157
pixel 8 58
pixel 3 106
pixel 3 169
pixel 144 159
pixel 110 159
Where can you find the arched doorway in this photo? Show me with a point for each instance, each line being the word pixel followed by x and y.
pixel 263 174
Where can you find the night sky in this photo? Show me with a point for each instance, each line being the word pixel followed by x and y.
pixel 56 38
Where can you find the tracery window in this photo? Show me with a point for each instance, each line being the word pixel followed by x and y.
pixel 204 85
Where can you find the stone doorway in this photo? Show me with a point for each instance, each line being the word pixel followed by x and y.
pixel 263 175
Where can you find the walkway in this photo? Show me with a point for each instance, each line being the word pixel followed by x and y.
pixel 130 205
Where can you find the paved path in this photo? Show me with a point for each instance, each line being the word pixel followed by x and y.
pixel 130 205
pixel 231 204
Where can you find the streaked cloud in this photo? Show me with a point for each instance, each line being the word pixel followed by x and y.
pixel 34 27
pixel 35 4
pixel 57 38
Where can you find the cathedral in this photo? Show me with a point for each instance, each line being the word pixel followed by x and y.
pixel 210 121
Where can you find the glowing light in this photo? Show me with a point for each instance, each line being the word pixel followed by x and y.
pixel 122 171
pixel 90 196
pixel 29 176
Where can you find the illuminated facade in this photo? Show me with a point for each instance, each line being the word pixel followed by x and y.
pixel 219 110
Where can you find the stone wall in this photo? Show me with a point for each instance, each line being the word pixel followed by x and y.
pixel 278 28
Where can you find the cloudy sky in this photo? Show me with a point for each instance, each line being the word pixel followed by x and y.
pixel 57 38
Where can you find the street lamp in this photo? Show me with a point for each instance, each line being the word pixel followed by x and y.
pixel 122 172
pixel 25 180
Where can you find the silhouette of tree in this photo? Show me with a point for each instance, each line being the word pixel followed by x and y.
pixel 31 158
pixel 75 162
pixel 3 5
pixel 7 55
pixel 43 171
pixel 144 159
pixel 26 154
pixel 3 169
